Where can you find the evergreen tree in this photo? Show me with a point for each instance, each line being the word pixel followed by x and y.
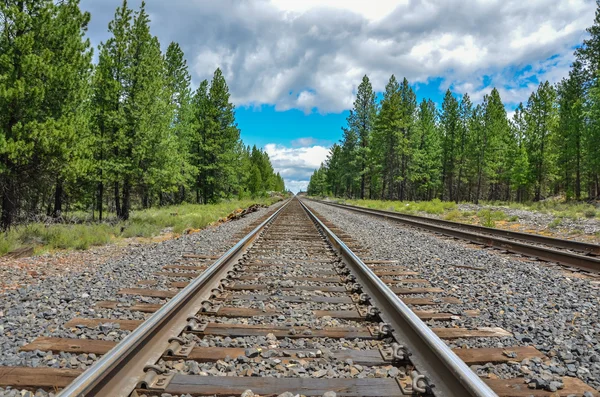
pixel 450 124
pixel 426 166
pixel 360 122
pixel 386 138
pixel 178 84
pixel 540 116
pixel 44 61
pixel 408 106
pixel 571 130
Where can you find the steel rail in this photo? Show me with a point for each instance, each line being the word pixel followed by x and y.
pixel 588 263
pixel 448 374
pixel 588 248
pixel 118 371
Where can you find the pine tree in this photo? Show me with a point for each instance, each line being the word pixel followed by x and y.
pixel 360 122
pixel 110 80
pixel 426 166
pixel 39 92
pixel 450 124
pixel 540 116
pixel 465 112
pixel 571 130
pixel 217 136
pixel 386 138
pixel 66 98
pixel 178 83
pixel 520 171
pixel 408 106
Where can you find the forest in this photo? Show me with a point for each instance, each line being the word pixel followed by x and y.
pixel 124 132
pixel 397 149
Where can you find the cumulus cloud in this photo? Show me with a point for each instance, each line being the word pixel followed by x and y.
pixel 296 165
pixel 311 54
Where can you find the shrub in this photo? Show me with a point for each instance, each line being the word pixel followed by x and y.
pixel 513 218
pixel 591 213
pixel 486 219
pixel 453 215
pixel 555 223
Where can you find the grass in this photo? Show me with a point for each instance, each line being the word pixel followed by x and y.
pixel 146 223
pixel 434 207
pixel 557 207
pixel 492 212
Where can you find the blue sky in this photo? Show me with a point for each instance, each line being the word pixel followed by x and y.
pixel 293 65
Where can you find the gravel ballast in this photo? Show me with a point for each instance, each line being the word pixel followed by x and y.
pixel 555 311
pixel 41 309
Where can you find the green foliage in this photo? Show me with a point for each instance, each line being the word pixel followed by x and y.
pixel 453 215
pixel 146 223
pixel 486 218
pixel 466 152
pixel 555 223
pixel 124 135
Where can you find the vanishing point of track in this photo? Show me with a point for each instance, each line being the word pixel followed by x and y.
pixel 286 280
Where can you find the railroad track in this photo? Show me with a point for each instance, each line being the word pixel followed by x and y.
pixel 289 308
pixel 576 254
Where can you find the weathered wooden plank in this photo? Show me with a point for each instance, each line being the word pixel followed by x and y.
pixel 39 377
pixel 194 256
pixel 408 291
pixel 497 355
pixel 317 271
pixel 138 307
pixel 382 273
pixel 128 325
pixel 250 312
pixel 155 293
pixel 293 278
pixel 107 305
pixel 258 287
pixel 429 301
pixel 517 387
pixel 176 274
pixel 149 283
pixel 75 346
pixel 457 333
pixel 388 280
pixel 228 385
pixel 286 298
pixel 185 267
pixel 241 330
pixel 213 354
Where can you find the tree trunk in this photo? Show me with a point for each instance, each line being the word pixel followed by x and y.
pixel 100 196
pixel 126 199
pixel 9 204
pixel 578 172
pixel 118 208
pixel 58 195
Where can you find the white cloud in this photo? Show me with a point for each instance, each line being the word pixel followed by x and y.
pixel 296 165
pixel 371 10
pixel 311 54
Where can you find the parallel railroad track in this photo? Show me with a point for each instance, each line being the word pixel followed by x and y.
pixel 580 255
pixel 290 307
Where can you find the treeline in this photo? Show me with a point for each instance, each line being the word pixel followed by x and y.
pixel 399 149
pixel 128 131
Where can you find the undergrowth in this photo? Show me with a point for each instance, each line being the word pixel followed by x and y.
pixel 145 223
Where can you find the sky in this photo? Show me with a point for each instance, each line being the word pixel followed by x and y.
pixel 293 66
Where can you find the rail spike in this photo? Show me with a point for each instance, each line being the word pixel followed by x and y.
pixel 195 324
pixel 155 378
